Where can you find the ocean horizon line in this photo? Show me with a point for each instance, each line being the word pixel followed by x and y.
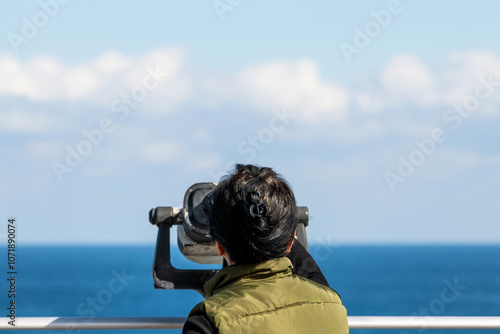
pixel 311 243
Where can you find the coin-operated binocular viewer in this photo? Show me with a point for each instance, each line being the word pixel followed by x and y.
pixel 193 239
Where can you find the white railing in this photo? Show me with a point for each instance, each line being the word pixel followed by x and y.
pixel 355 322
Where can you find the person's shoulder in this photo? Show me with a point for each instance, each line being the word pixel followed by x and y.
pixel 318 290
pixel 215 302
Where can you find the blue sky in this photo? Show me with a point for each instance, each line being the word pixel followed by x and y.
pixel 110 109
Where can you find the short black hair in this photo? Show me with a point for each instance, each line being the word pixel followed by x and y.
pixel 252 214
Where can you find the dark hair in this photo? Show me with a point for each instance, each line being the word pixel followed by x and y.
pixel 253 214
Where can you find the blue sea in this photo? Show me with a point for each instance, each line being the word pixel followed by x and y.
pixel 95 281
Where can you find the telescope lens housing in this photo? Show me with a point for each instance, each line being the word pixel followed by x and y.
pixel 196 213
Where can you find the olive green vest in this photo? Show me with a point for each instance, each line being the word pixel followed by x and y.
pixel 267 298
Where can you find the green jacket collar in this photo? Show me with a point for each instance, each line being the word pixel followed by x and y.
pixel 230 274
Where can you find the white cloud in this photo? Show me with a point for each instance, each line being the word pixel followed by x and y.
pixel 111 62
pixel 464 72
pixel 161 151
pixel 406 78
pixel 81 82
pixel 407 81
pixel 448 162
pixel 112 75
pixel 468 66
pixel 297 85
pixel 29 122
pixel 103 79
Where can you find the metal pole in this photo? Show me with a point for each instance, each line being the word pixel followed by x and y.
pixel 424 322
pixel 54 323
pixel 355 322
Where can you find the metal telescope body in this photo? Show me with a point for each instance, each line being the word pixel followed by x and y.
pixel 194 240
